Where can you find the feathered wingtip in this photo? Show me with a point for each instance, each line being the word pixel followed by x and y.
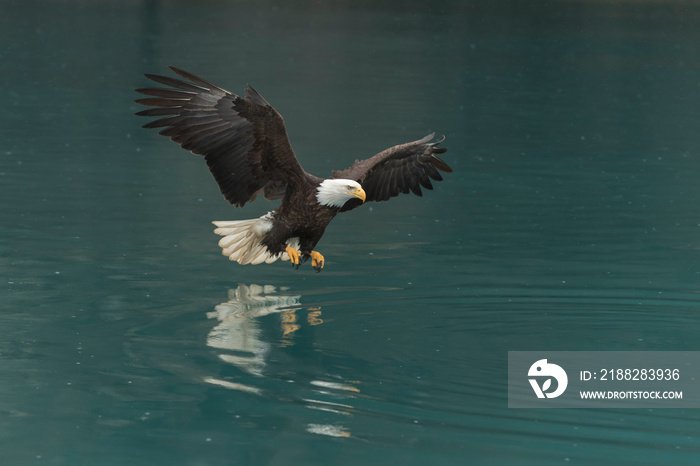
pixel 197 80
pixel 253 96
pixel 434 144
pixel 180 92
pixel 442 138
pixel 170 101
pixel 426 140
pixel 433 149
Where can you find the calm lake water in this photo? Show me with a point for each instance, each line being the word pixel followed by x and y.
pixel 571 222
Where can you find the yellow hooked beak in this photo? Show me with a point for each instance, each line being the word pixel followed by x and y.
pixel 359 193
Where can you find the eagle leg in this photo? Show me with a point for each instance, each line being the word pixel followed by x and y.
pixel 317 260
pixel 294 256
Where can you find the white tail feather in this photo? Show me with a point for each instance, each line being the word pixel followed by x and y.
pixel 241 240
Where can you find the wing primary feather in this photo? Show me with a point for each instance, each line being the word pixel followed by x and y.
pixel 198 80
pixel 167 93
pixel 175 83
pixel 185 122
pixel 424 180
pixel 432 172
pixel 413 183
pixel 160 111
pixel 440 164
pixel 159 102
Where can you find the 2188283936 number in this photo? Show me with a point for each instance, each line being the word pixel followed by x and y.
pixel 640 374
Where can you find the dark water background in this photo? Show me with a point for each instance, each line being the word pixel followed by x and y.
pixel 571 222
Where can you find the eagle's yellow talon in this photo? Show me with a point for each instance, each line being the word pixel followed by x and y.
pixel 317 260
pixel 293 256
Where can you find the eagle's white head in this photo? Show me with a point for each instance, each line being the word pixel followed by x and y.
pixel 335 193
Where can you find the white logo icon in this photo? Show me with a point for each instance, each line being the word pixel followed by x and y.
pixel 544 369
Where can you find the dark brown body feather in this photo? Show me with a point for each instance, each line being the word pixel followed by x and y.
pixel 299 216
pixel 245 145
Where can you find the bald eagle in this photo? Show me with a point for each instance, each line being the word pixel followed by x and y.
pixel 245 145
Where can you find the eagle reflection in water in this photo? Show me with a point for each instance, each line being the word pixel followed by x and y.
pixel 238 331
pixel 238 334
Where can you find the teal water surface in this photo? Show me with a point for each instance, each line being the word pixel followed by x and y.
pixel 569 223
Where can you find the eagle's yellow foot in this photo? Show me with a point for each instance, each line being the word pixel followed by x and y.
pixel 294 256
pixel 317 260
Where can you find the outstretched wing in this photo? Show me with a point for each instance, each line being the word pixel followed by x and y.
pixel 399 169
pixel 243 140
